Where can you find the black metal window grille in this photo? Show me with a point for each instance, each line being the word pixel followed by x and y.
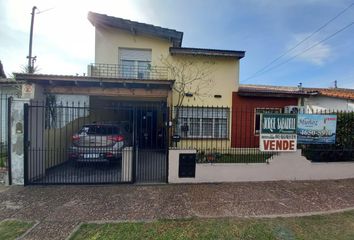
pixel 202 122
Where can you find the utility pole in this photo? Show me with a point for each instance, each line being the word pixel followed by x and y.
pixel 30 58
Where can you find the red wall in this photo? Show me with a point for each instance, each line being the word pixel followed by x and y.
pixel 243 113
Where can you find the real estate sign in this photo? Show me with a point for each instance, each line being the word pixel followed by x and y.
pixel 316 129
pixel 278 132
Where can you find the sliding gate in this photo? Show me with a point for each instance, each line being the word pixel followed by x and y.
pixel 71 143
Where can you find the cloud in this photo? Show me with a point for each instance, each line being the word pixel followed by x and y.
pixel 63 38
pixel 317 55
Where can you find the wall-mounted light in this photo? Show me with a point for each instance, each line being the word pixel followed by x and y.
pixel 217 96
pixel 189 94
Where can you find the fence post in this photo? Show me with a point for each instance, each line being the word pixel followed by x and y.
pixel 167 138
pixel 135 141
pixel 9 140
pixel 25 143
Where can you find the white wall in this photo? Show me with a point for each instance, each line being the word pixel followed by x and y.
pixel 5 93
pixel 67 115
pixel 318 103
pixel 17 134
pixel 285 166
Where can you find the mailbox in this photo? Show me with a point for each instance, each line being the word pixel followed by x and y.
pixel 187 165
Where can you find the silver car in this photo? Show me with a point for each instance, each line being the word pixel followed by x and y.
pixel 99 143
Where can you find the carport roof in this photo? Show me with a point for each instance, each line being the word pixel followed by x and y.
pixel 9 82
pixel 86 81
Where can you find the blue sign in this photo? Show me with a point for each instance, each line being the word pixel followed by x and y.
pixel 316 129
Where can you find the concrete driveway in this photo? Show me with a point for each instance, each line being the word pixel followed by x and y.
pixel 59 209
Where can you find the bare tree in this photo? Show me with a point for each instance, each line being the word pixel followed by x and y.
pixel 193 77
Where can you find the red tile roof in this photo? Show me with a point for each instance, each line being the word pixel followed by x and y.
pixel 249 89
pixel 345 93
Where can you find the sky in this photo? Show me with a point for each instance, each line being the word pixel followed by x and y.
pixel 63 38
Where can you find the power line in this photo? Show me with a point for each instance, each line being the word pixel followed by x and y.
pixel 303 40
pixel 46 10
pixel 309 48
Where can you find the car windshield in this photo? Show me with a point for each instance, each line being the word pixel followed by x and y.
pixel 100 130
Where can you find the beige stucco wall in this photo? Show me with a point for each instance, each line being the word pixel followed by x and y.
pixel 108 40
pixel 224 71
pixel 224 74
pixel 285 166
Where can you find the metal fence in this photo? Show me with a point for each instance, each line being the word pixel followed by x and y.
pixel 219 134
pixel 223 135
pixel 73 143
pixel 128 72
pixel 4 100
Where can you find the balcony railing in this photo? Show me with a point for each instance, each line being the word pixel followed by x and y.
pixel 127 72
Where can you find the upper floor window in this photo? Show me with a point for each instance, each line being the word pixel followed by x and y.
pixel 135 63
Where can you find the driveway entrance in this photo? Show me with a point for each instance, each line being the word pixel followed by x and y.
pixel 105 143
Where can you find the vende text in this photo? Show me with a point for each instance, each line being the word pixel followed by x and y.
pixel 279 145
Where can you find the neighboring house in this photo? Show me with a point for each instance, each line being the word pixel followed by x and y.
pixel 143 63
pixel 327 99
pixel 252 100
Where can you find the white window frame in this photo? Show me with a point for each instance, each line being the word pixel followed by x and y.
pixel 187 120
pixel 135 71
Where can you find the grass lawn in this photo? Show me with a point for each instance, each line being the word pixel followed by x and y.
pixel 3 159
pixel 325 227
pixel 13 229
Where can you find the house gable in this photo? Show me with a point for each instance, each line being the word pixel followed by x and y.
pixel 137 28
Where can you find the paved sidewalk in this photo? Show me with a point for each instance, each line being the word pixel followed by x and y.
pixel 59 209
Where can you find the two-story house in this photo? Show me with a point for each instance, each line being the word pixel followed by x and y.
pixel 142 79
pixel 138 62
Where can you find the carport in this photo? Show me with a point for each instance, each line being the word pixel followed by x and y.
pixel 63 105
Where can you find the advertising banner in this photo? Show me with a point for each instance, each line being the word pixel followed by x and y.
pixel 278 133
pixel 316 129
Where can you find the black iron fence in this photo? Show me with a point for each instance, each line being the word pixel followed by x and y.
pixel 219 134
pixel 95 143
pixel 124 142
pixel 4 123
pixel 145 71
pixel 222 135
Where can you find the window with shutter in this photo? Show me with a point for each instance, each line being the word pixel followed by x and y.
pixel 135 63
